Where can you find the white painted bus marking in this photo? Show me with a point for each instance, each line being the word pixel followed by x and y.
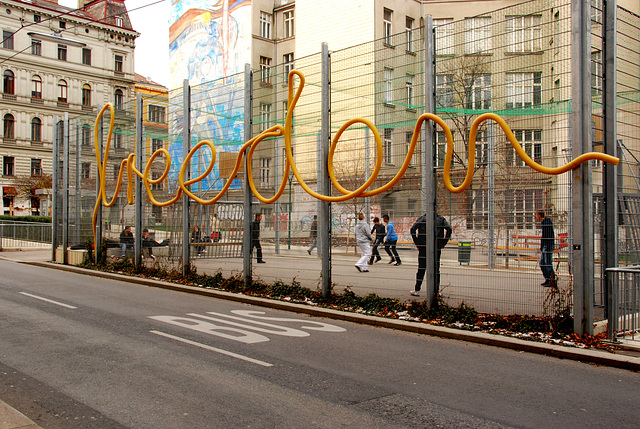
pixel 48 300
pixel 212 329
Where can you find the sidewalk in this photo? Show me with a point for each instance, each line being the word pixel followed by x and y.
pixel 10 418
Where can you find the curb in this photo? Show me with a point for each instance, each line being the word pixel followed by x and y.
pixel 10 418
pixel 582 355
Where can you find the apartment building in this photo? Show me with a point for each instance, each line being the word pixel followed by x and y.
pixel 56 60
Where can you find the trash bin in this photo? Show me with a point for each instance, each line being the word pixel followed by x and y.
pixel 464 252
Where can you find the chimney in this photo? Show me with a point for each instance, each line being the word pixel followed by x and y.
pixel 83 3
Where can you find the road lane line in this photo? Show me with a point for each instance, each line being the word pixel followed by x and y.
pixel 48 300
pixel 213 349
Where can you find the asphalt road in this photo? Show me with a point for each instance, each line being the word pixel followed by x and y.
pixel 78 351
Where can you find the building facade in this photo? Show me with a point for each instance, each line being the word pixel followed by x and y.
pixel 55 61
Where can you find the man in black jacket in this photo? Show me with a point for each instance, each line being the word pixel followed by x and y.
pixel 255 237
pixel 419 236
pixel 547 245
pixel 126 241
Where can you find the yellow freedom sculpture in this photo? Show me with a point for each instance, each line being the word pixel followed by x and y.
pixel 279 131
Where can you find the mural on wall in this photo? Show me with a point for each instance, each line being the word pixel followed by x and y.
pixel 209 43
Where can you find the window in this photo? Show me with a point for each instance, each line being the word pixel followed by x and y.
pixel 265 24
pixel 117 138
pixel 37 18
pixel 387 146
pixel 387 29
pixel 596 73
pixel 444 36
pixel 409 33
pixel 596 11
pixel 478 90
pixel 156 144
pixel 8 82
pixel 9 123
pixel 36 130
pixel 118 98
pixel 8 166
pixel 265 171
pixel 118 21
pixel 62 91
pixel 86 56
pixel 86 95
pixel 523 89
pixel 388 86
pixel 156 186
pixel 520 207
pixel 36 167
pixel 156 114
pixel 289 30
pixel 116 170
pixel 86 170
pixel 36 87
pixel 415 159
pixel 444 91
pixel 265 116
pixel 7 39
pixel 36 47
pixel 477 35
pixel 523 33
pixel 287 59
pixel 441 149
pixel 482 148
pixel 531 142
pixel 479 209
pixel 409 88
pixel 62 25
pixel 86 135
pixel 62 52
pixel 265 72
pixel 117 66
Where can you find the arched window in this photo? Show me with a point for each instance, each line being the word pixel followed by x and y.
pixel 8 82
pixel 36 130
pixel 62 91
pixel 36 87
pixel 118 98
pixel 9 122
pixel 86 94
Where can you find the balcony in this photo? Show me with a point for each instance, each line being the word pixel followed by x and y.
pixel 63 104
pixel 11 97
pixel 37 100
pixel 9 141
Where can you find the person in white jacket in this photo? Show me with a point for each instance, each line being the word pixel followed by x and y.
pixel 363 238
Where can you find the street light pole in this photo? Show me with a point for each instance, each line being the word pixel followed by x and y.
pixel 289 218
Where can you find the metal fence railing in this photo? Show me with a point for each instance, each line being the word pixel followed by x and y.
pixel 624 305
pixel 19 235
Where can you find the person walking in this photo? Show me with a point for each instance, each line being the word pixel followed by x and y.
pixel 391 241
pixel 126 241
pixel 255 238
pixel 419 237
pixel 363 238
pixel 547 245
pixel 313 234
pixel 196 237
pixel 380 232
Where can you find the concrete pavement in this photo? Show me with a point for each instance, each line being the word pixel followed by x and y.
pixel 10 418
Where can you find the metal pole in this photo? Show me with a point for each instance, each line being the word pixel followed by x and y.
pixel 54 189
pixel 98 243
pixel 367 160
pixel 186 147
pixel 583 258
pixel 78 194
pixel 324 217
pixel 428 176
pixel 289 218
pixel 65 191
pixel 248 210
pixel 137 247
pixel 492 186
pixel 277 180
pixel 609 48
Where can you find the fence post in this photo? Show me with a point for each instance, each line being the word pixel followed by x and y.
pixel 54 189
pixel 248 210
pixel 491 160
pixel 65 190
pixel 609 49
pixel 137 247
pixel 186 147
pixel 324 217
pixel 429 203
pixel 583 258
pixel 78 187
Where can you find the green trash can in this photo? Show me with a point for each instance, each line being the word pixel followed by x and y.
pixel 464 252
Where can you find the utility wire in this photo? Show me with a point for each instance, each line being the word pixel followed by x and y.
pixel 65 29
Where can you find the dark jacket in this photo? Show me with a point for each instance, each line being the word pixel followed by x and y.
pixel 126 237
pixel 443 231
pixel 380 232
pixel 548 236
pixel 314 229
pixel 255 230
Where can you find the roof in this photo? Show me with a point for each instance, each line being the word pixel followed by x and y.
pixel 103 11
